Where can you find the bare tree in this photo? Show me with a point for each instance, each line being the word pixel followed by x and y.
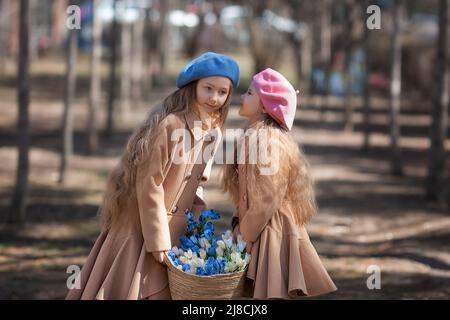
pixel 112 74
pixel 163 38
pixel 395 88
pixel 366 85
pixel 125 77
pixel 262 37
pixel 352 10
pixel 328 47
pixel 95 89
pixel 18 206
pixel 138 53
pixel 302 46
pixel 435 189
pixel 67 125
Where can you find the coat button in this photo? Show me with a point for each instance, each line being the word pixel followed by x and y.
pixel 174 209
pixel 244 197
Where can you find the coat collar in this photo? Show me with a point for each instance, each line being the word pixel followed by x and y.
pixel 195 127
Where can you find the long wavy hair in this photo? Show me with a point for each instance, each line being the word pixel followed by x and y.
pixel 293 168
pixel 121 181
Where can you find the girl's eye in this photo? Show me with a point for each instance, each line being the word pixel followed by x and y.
pixel 208 88
pixel 249 92
pixel 223 93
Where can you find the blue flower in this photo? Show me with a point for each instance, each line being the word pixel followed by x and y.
pixel 208 214
pixel 176 262
pixel 194 238
pixel 186 243
pixel 186 267
pixel 195 249
pixel 212 250
pixel 192 225
pixel 200 271
pixel 172 255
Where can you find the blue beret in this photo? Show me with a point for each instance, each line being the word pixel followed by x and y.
pixel 209 64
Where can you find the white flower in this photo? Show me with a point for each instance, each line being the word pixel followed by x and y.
pixel 197 262
pixel 247 258
pixel 230 266
pixel 189 254
pixel 229 242
pixel 241 245
pixel 180 268
pixel 219 251
pixel 203 254
pixel 221 244
pixel 183 259
pixel 204 243
pixel 228 235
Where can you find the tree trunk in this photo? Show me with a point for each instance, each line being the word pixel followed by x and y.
pixel 138 52
pixel 125 79
pixel 3 34
pixel 306 61
pixel 67 128
pixel 366 93
pixel 327 53
pixel 395 89
pixel 436 167
pixel 95 90
pixel 112 74
pixel 349 47
pixel 58 28
pixel 163 49
pixel 19 200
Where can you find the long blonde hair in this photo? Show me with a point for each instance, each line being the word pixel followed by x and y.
pixel 121 181
pixel 293 167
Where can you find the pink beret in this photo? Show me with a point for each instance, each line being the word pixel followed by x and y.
pixel 277 95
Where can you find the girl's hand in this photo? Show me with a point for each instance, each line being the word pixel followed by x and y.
pixel 159 256
pixel 249 247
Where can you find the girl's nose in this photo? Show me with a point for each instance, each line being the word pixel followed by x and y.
pixel 213 98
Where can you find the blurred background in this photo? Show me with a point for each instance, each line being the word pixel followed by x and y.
pixel 372 119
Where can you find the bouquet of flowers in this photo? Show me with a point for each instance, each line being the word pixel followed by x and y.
pixel 214 264
pixel 202 253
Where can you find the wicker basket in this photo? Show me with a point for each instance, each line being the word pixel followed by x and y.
pixel 186 286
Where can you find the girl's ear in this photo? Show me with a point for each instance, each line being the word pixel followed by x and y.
pixel 263 110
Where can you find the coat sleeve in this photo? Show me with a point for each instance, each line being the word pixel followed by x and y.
pixel 265 195
pixel 150 194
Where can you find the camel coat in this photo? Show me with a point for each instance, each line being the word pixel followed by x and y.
pixel 284 263
pixel 120 265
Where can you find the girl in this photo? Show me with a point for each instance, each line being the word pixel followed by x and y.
pixel 156 183
pixel 274 199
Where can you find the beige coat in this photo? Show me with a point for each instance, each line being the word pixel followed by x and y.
pixel 284 263
pixel 120 265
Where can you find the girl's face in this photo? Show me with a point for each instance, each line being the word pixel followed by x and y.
pixel 212 92
pixel 251 107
